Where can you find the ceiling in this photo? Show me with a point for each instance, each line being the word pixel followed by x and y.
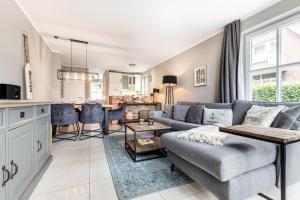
pixel 144 32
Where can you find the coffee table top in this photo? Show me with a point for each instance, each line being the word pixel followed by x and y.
pixel 275 135
pixel 136 127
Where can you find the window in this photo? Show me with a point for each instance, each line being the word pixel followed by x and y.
pixel 273 62
pixel 96 90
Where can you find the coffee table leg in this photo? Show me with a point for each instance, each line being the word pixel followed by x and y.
pixel 283 171
pixel 125 137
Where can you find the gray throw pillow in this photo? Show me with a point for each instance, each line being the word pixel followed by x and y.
pixel 195 115
pixel 180 112
pixel 288 119
pixel 168 111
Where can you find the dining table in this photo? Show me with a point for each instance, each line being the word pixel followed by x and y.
pixel 105 123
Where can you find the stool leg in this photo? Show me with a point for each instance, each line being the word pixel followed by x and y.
pixel 81 131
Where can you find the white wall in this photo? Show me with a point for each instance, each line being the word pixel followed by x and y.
pixel 13 23
pixel 183 65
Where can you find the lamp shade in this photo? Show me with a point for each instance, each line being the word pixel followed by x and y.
pixel 170 79
pixel 155 90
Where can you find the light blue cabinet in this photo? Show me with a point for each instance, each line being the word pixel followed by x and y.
pixel 21 159
pixel 4 170
pixel 24 149
pixel 41 139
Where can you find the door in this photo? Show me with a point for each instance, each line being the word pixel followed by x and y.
pixel 20 160
pixel 4 174
pixel 41 142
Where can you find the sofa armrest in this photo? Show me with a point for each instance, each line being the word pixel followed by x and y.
pixel 157 114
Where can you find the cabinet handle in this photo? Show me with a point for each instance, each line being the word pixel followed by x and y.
pixel 12 171
pixel 40 146
pixel 22 114
pixel 5 171
pixel 42 110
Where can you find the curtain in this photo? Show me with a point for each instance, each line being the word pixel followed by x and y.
pixel 230 63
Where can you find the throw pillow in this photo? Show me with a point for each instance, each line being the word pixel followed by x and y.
pixel 287 118
pixel 168 111
pixel 195 115
pixel 262 116
pixel 180 112
pixel 217 116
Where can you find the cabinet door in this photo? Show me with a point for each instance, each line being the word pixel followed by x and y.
pixel 2 164
pixel 115 84
pixel 41 142
pixel 20 160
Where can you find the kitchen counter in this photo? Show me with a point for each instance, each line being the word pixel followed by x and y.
pixel 21 103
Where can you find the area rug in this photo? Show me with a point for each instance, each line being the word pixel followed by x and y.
pixel 132 179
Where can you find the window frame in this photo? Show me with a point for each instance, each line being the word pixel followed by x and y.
pixel 276 26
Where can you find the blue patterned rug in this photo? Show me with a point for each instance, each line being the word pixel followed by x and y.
pixel 132 179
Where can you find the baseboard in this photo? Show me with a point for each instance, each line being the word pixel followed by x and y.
pixel 36 179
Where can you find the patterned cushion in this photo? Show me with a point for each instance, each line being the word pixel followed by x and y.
pixel 262 116
pixel 180 112
pixel 288 119
pixel 195 115
pixel 217 116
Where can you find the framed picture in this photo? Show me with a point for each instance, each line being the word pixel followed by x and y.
pixel 200 76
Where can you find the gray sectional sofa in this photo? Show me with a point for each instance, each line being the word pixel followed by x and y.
pixel 238 169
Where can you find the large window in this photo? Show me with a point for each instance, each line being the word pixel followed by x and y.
pixel 273 62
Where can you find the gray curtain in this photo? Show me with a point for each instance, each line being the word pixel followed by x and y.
pixel 230 62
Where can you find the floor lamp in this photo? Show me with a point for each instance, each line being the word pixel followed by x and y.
pixel 169 81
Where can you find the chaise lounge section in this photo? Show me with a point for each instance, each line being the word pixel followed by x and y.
pixel 238 169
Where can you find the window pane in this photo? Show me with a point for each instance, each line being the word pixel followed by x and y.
pixel 263 50
pixel 290 43
pixel 290 84
pixel 263 84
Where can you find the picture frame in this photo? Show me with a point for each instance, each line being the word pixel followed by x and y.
pixel 200 76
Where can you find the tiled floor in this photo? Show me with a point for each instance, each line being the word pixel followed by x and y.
pixel 80 171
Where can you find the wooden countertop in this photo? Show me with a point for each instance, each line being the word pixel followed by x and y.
pixel 142 104
pixel 21 103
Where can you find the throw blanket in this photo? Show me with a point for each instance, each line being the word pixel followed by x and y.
pixel 209 134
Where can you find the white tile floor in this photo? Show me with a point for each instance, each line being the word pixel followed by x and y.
pixel 80 171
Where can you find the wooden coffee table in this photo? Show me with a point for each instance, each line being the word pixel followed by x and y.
pixel 278 136
pixel 136 150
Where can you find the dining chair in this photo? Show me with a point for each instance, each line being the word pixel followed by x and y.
pixel 63 115
pixel 119 115
pixel 91 114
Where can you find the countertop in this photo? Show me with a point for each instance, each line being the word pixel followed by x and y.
pixel 21 103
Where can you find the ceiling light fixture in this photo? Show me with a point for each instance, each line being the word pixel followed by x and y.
pixel 69 73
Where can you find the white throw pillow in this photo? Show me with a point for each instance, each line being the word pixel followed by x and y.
pixel 217 116
pixel 262 116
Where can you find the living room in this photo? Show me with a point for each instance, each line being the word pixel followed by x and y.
pixel 160 100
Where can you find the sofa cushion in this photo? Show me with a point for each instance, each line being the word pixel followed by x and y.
pixel 163 120
pixel 179 126
pixel 240 109
pixel 262 116
pixel 195 114
pixel 180 112
pixel 217 116
pixel 168 111
pixel 287 118
pixel 237 155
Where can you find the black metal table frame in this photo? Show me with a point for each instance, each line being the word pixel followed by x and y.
pixel 132 152
pixel 282 146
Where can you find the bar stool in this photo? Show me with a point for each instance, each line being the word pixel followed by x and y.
pixel 91 114
pixel 63 115
pixel 118 114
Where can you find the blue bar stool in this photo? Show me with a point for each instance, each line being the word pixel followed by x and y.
pixel 64 115
pixel 118 114
pixel 91 114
